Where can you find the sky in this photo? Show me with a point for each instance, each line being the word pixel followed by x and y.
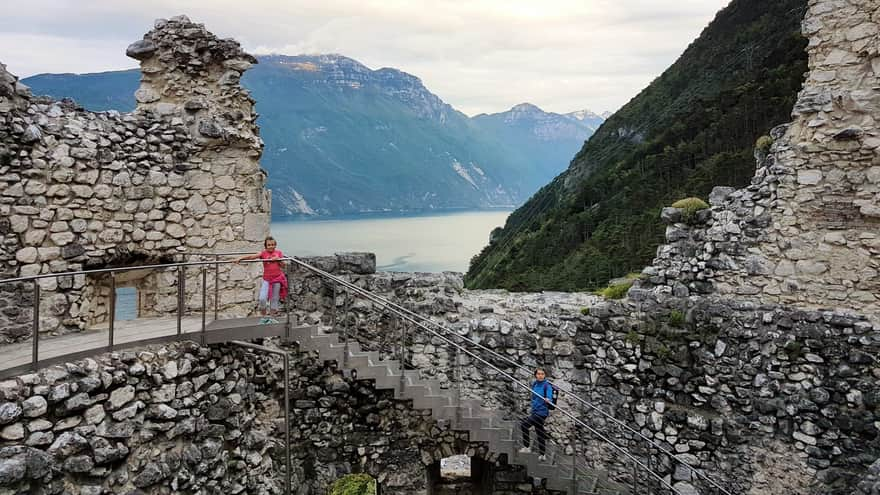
pixel 477 55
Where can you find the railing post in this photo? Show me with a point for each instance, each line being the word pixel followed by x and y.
pixel 333 309
pixel 112 306
pixel 345 305
pixel 288 303
pixel 287 421
pixel 574 471
pixel 402 355
pixel 181 298
pixel 204 301
pixel 456 373
pixel 216 285
pixel 36 336
pixel 635 490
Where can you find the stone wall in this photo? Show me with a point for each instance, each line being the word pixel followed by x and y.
pixel 807 231
pixel 765 398
pixel 180 174
pixel 189 419
pixel 175 419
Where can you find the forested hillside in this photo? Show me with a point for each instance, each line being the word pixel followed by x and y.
pixel 693 128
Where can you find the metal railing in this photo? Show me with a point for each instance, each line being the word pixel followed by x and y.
pixel 179 267
pixel 467 346
pixel 405 318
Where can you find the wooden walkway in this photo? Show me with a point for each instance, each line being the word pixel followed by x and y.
pixel 17 358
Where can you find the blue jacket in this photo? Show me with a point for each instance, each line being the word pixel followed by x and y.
pixel 539 390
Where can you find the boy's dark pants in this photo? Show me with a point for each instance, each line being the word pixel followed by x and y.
pixel 538 423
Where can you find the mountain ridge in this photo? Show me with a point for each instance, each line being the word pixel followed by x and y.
pixel 342 138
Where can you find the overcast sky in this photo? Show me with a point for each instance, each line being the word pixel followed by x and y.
pixel 479 56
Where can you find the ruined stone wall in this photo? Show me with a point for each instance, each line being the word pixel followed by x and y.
pixel 807 231
pixel 765 398
pixel 175 419
pixel 180 174
pixel 188 419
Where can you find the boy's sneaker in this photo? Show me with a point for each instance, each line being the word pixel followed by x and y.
pixel 267 320
pixel 525 450
pixel 542 457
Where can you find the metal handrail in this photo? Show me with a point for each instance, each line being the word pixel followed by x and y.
pixel 181 266
pixel 572 395
pixel 412 316
pixel 124 269
pixel 394 308
pixel 180 304
pixel 403 313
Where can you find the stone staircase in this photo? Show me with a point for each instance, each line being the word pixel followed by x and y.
pixel 482 424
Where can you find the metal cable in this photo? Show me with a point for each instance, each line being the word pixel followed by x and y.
pixel 389 304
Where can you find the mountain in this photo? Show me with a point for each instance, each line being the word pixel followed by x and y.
pixel 692 128
pixel 342 138
pixel 590 119
pixel 542 138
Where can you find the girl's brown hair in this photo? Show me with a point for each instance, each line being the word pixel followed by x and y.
pixel 267 239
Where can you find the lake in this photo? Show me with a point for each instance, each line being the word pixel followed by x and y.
pixel 433 242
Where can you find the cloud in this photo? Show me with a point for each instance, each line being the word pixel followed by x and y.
pixel 479 56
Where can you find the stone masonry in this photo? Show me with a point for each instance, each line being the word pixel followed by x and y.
pixel 764 398
pixel 807 231
pixel 81 190
pixel 188 419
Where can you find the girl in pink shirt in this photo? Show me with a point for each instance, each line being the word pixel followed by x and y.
pixel 274 284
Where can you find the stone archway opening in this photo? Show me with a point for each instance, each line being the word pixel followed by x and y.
pixel 460 475
pixel 139 292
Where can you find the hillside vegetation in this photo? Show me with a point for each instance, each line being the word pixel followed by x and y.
pixel 691 129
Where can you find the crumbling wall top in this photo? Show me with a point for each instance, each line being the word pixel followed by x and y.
pixel 13 94
pixel 190 73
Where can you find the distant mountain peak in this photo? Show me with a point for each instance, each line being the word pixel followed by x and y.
pixel 585 115
pixel 526 107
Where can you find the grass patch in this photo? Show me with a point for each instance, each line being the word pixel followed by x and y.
pixel 585 311
pixel 690 207
pixel 764 143
pixel 619 287
pixel 354 484
pixel 676 318
pixel 615 291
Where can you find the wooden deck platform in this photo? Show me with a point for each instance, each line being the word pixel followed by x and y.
pixel 16 359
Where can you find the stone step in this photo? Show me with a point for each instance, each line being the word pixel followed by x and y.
pixel 481 423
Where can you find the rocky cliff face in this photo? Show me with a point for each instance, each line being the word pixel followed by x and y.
pixel 344 72
pixel 84 190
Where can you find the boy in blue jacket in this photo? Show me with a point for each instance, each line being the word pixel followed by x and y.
pixel 542 394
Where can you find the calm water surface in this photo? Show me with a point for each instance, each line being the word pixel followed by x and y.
pixel 416 243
